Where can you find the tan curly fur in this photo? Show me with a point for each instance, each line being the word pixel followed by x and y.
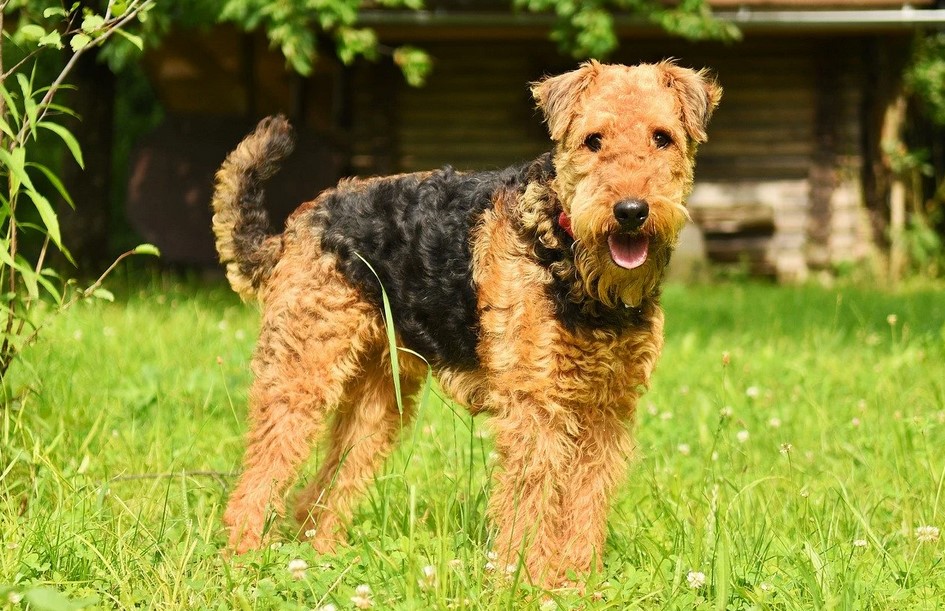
pixel 560 394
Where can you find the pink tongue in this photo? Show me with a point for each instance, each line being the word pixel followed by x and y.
pixel 628 252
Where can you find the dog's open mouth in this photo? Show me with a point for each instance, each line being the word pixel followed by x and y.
pixel 628 251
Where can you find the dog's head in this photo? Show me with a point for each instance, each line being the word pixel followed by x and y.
pixel 625 144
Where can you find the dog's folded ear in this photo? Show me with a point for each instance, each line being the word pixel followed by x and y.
pixel 558 96
pixel 699 94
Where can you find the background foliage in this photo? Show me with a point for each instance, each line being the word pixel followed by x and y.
pixel 922 161
pixel 29 114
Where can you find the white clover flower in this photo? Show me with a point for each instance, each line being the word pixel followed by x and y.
pixel 856 422
pixel 752 392
pixel 859 543
pixel 774 422
pixel 362 597
pixel 684 449
pixel 455 563
pixel 726 412
pixel 14 598
pixel 766 587
pixel 927 534
pixel 741 436
pixel 666 416
pixel 892 319
pixel 328 607
pixel 786 448
pixel 310 533
pixel 297 568
pixel 695 579
pixel 428 580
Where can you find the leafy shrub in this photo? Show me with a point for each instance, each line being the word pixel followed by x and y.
pixel 28 113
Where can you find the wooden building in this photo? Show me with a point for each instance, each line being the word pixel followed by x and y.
pixel 791 179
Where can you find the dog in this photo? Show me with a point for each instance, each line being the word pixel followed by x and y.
pixel 532 292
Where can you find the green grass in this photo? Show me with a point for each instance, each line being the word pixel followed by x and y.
pixel 783 425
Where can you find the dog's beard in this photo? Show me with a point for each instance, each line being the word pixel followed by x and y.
pixel 605 281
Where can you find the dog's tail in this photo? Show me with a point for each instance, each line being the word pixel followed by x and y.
pixel 240 222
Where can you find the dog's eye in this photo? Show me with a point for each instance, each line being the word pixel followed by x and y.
pixel 661 139
pixel 593 142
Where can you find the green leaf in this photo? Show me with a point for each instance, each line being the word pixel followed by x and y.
pixel 133 39
pixel 10 104
pixel 147 249
pixel 54 181
pixel 79 42
pixel 414 63
pixel 92 24
pixel 103 294
pixel 54 10
pixel 29 104
pixel 48 599
pixel 5 256
pixel 53 39
pixel 28 276
pixel 32 31
pixel 119 7
pixel 68 138
pixel 59 108
pixel 48 215
pixel 51 288
pixel 5 128
pixel 15 161
pixel 391 336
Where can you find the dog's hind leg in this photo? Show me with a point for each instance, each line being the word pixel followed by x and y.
pixel 363 433
pixel 315 333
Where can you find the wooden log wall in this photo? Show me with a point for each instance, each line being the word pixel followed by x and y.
pixel 780 180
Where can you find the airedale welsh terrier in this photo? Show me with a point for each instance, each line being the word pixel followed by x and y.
pixel 532 291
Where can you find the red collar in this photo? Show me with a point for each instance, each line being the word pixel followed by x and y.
pixel 565 221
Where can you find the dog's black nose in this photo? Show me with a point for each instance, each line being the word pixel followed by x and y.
pixel 631 213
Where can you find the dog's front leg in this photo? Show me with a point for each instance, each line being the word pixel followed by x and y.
pixel 552 495
pixel 526 502
pixel 598 467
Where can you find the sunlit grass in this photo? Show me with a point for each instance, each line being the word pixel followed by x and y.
pixel 788 451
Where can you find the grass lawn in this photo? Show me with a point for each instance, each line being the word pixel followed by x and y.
pixel 791 453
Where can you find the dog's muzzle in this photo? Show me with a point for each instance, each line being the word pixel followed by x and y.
pixel 628 248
